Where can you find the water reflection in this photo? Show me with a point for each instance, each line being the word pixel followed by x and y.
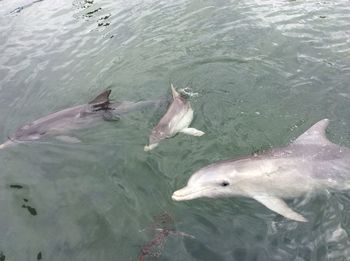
pixel 161 228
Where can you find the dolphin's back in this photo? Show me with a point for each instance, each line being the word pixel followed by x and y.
pixel 333 164
pixel 328 163
pixel 66 119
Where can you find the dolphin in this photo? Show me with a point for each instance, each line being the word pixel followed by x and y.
pixel 77 117
pixel 177 119
pixel 308 164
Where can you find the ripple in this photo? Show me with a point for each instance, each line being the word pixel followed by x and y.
pixel 263 71
pixel 322 24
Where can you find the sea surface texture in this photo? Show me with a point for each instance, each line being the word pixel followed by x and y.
pixel 261 73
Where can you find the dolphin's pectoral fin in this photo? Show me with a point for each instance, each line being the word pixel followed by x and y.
pixel 109 116
pixel 68 139
pixel 279 206
pixel 192 131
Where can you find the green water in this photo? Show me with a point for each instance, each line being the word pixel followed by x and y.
pixel 264 72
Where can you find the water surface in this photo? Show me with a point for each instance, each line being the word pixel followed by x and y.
pixel 264 72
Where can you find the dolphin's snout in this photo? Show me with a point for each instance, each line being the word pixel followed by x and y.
pixel 6 144
pixel 185 193
pixel 150 147
pixel 192 192
pixel 177 196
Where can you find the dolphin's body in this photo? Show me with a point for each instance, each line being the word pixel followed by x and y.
pixel 177 119
pixel 308 164
pixel 77 117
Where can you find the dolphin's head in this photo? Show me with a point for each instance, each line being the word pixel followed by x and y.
pixel 226 178
pixel 156 136
pixel 207 182
pixel 27 132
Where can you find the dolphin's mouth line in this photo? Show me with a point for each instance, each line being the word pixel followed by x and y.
pixel 189 195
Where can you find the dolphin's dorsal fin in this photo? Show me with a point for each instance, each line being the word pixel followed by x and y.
pixel 101 102
pixel 174 92
pixel 101 98
pixel 314 135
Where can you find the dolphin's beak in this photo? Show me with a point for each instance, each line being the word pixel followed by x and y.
pixel 188 193
pixel 6 144
pixel 179 195
pixel 150 147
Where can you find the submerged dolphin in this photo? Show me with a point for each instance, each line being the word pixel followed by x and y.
pixel 308 164
pixel 78 117
pixel 177 119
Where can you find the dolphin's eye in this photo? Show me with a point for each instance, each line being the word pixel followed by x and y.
pixel 225 183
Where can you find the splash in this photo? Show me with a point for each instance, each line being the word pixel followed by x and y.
pixel 188 92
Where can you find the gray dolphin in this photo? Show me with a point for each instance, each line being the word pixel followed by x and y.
pixel 77 117
pixel 177 119
pixel 308 164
